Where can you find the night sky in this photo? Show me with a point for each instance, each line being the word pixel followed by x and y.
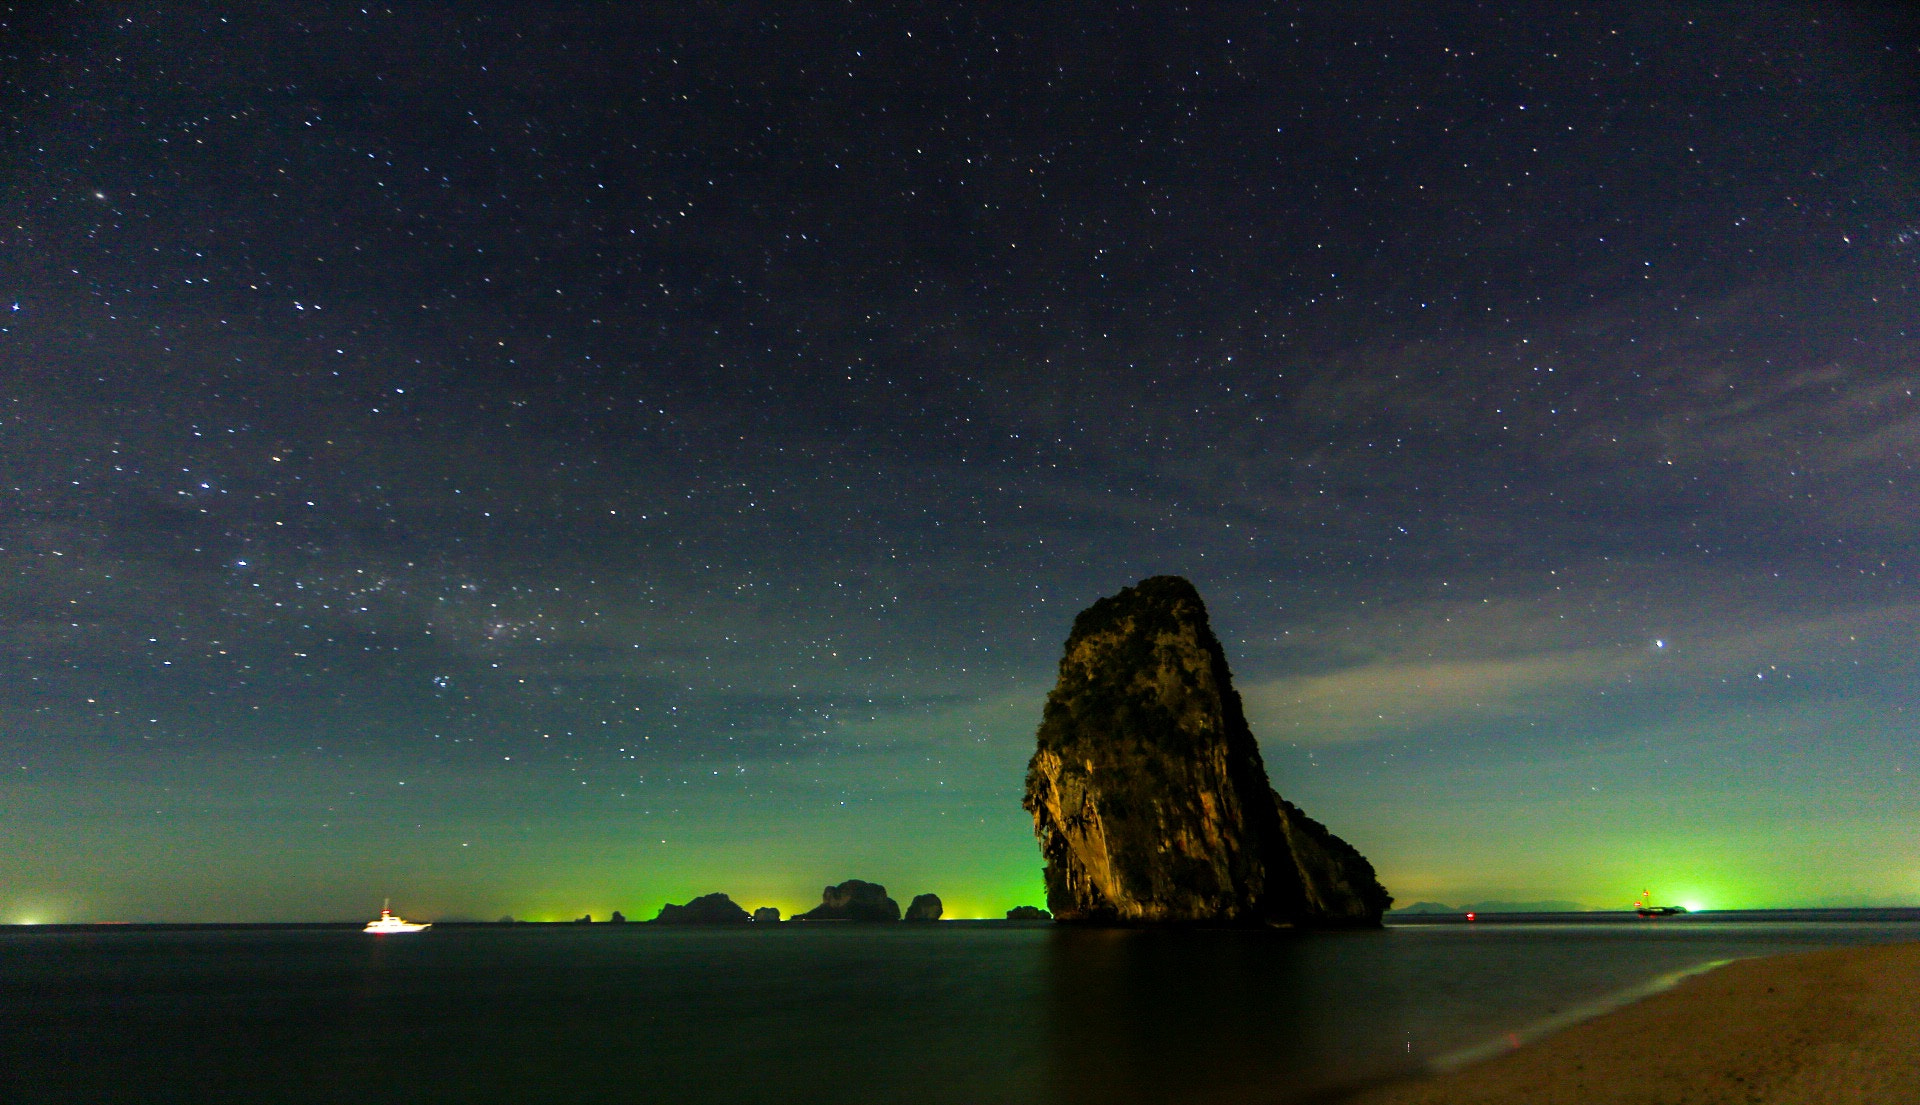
pixel 548 459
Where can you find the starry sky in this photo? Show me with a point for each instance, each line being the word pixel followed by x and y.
pixel 548 459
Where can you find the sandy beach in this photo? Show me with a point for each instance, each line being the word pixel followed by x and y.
pixel 1824 1028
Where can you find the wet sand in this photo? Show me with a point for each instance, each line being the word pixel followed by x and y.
pixel 1833 1027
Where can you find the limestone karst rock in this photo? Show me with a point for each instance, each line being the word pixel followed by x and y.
pixel 853 900
pixel 766 914
pixel 708 909
pixel 925 907
pixel 1028 913
pixel 1148 794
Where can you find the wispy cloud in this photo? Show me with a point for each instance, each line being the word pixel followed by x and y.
pixel 1386 699
pixel 1452 689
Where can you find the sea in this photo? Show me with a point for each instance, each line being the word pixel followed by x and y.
pixel 970 1013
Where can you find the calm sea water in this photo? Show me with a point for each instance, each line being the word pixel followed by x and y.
pixel 956 1012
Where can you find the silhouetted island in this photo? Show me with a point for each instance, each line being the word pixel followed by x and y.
pixel 925 907
pixel 853 900
pixel 708 909
pixel 766 914
pixel 1148 794
pixel 1028 913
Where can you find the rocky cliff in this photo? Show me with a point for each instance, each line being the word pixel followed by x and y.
pixel 1148 794
pixel 925 907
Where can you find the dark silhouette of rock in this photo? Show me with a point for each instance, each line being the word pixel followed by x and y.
pixel 766 913
pixel 853 900
pixel 1148 794
pixel 708 909
pixel 618 918
pixel 925 907
pixel 1028 913
pixel 585 920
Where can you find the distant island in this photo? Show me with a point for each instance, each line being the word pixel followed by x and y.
pixel 708 909
pixel 852 900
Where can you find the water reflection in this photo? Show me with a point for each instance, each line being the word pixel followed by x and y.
pixel 1139 1017
pixel 949 1014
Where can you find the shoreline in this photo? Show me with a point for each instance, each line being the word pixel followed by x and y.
pixel 1826 1027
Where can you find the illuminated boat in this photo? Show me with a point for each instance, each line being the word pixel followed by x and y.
pixel 389 923
pixel 1645 907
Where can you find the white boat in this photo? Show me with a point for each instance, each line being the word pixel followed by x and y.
pixel 389 923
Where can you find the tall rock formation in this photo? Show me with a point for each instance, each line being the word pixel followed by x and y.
pixel 1148 794
pixel 925 907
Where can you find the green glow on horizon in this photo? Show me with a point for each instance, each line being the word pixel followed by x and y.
pixel 1447 830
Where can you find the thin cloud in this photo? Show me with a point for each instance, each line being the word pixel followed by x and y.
pixel 1387 699
pixel 1391 697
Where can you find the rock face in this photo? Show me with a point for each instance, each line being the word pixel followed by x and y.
pixel 925 907
pixel 766 914
pixel 853 900
pixel 1148 794
pixel 708 909
pixel 1028 913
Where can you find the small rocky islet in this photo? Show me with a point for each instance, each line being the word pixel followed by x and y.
pixel 708 909
pixel 853 900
